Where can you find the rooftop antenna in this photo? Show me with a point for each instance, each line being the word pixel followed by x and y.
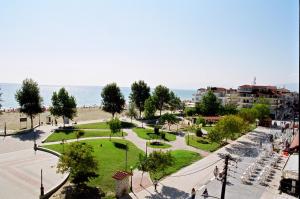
pixel 254 81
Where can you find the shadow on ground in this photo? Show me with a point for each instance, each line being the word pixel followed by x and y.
pixel 169 192
pixel 85 192
pixel 30 135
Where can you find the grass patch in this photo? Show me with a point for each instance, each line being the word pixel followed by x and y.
pixel 102 125
pixel 160 145
pixel 111 158
pixel 202 143
pixel 182 158
pixel 148 134
pixel 72 134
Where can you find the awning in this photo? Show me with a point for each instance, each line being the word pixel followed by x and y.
pixel 295 142
pixel 291 168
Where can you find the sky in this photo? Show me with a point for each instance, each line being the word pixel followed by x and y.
pixel 180 44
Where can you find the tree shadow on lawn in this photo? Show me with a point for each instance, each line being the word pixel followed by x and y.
pixel 30 135
pixel 83 192
pixel 120 145
pixel 169 192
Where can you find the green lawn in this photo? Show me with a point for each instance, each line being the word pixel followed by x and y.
pixel 102 125
pixel 111 158
pixel 202 143
pixel 182 158
pixel 161 145
pixel 72 134
pixel 148 134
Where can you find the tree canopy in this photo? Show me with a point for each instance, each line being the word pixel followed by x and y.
pixel 169 119
pixel 112 99
pixel 150 108
pixel 29 99
pixel 156 161
pixel 140 92
pixel 161 97
pixel 263 111
pixel 174 102
pixel 230 126
pixel 131 112
pixel 78 159
pixel 63 104
pixel 248 114
pixel 209 105
pixel 115 125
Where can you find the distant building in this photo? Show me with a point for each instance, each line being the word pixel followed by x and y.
pixel 283 103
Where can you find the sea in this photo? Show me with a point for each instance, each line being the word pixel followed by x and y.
pixel 84 95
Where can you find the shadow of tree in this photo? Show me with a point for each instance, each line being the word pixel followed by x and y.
pixel 83 192
pixel 169 192
pixel 30 135
pixel 120 145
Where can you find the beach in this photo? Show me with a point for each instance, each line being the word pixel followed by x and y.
pixel 12 119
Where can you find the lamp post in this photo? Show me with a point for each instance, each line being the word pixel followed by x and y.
pixel 131 168
pixel 146 148
pixel 42 187
pixel 126 157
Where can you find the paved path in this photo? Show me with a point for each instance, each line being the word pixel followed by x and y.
pixel 20 166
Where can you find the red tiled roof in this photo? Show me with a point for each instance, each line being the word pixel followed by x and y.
pixel 120 175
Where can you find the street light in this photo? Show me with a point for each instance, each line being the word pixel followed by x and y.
pixel 131 168
pixel 42 187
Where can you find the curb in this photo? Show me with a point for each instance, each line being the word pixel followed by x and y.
pixel 60 184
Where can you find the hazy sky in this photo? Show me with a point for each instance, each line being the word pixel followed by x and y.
pixel 181 44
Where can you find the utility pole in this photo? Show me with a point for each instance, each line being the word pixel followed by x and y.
pixel 224 177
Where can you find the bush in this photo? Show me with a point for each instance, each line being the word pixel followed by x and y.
pixel 199 132
pixel 163 135
pixel 190 111
pixel 201 120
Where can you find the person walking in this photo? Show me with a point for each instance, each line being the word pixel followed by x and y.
pixel 205 193
pixel 193 193
pixel 216 172
pixel 155 184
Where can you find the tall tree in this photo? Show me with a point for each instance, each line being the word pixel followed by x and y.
pixel 29 99
pixel 112 99
pixel 150 108
pixel 79 161
pixel 63 105
pixel 139 93
pixel 161 96
pixel 174 102
pixel 131 112
pixel 209 104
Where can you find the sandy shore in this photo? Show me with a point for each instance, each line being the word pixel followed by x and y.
pixel 12 119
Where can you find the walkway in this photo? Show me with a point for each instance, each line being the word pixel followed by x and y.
pixel 20 166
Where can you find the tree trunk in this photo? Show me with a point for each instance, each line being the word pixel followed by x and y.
pixel 140 113
pixel 142 178
pixel 113 115
pixel 31 118
pixel 159 112
pixel 64 120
